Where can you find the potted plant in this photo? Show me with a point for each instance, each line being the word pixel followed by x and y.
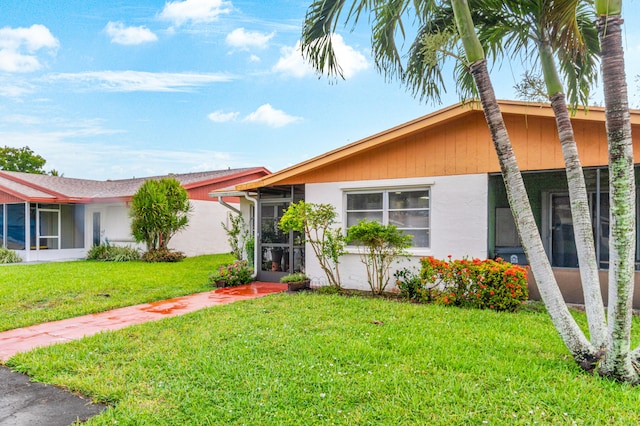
pixel 296 281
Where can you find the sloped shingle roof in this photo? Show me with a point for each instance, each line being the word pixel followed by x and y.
pixel 35 187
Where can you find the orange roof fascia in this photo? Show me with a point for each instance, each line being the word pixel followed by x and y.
pixel 365 144
pixel 596 114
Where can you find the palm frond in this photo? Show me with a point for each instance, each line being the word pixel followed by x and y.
pixel 320 24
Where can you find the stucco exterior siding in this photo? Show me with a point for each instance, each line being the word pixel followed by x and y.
pixel 205 234
pixel 458 221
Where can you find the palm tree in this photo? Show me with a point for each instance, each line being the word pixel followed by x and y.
pixel 619 362
pixel 583 352
pixel 564 30
pixel 422 74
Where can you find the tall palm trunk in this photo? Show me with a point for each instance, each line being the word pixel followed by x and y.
pixel 582 351
pixel 580 213
pixel 618 361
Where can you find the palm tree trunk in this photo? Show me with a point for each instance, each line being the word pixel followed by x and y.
pixel 582 351
pixel 617 362
pixel 582 228
pixel 583 232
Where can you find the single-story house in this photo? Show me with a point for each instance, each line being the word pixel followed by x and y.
pixel 46 217
pixel 438 179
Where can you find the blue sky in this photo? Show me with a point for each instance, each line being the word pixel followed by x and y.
pixel 124 88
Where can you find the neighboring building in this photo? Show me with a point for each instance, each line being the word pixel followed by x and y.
pixel 52 218
pixel 438 178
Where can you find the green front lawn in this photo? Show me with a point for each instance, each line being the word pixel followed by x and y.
pixel 33 294
pixel 327 359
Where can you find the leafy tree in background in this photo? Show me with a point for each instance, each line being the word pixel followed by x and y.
pixel 422 74
pixel 21 160
pixel 159 209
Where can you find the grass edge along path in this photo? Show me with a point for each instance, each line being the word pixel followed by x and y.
pixel 327 359
pixel 37 293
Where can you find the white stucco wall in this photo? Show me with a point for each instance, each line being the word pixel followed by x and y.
pixel 205 234
pixel 459 208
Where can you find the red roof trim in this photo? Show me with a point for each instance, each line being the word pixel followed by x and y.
pixel 256 170
pixel 32 185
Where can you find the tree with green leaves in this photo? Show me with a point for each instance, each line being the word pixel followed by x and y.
pixel 21 160
pixel 316 222
pixel 422 74
pixel 159 209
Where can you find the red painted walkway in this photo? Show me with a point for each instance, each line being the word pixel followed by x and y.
pixel 24 339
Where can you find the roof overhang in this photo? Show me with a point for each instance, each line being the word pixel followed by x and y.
pixel 442 116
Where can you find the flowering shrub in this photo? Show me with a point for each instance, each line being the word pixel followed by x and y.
pixel 493 284
pixel 236 273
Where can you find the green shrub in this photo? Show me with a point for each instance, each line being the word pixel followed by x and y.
pixel 379 246
pixel 162 255
pixel 9 256
pixel 159 209
pixel 236 273
pixel 109 253
pixel 412 287
pixel 328 289
pixel 493 284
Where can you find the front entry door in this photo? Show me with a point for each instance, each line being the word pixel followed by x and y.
pixel 280 252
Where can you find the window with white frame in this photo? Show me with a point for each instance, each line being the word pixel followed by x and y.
pixel 407 209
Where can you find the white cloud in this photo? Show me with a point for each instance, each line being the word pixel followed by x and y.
pixel 196 11
pixel 254 58
pixel 129 35
pixel 350 60
pixel 27 120
pixel 14 91
pixel 139 81
pixel 18 47
pixel 242 39
pixel 266 114
pixel 223 117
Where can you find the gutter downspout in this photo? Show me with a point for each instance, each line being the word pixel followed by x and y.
pixel 227 205
pixel 255 227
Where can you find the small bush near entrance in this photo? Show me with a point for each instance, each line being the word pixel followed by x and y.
pixel 162 255
pixel 9 256
pixel 109 253
pixel 236 273
pixel 492 284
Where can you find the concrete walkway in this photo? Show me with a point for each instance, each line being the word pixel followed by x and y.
pixel 25 339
